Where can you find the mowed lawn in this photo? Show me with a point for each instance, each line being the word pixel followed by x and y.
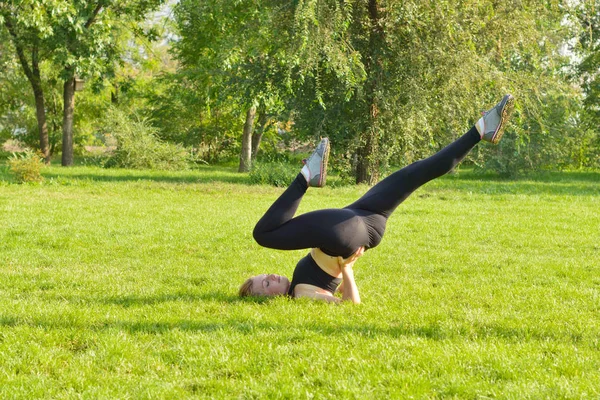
pixel 122 285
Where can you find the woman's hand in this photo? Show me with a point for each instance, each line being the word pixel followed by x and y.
pixel 350 290
pixel 349 262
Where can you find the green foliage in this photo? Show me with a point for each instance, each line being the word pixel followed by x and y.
pixel 278 174
pixel 138 146
pixel 322 44
pixel 17 109
pixel 26 167
pixel 184 115
pixel 78 39
pixel 588 48
pixel 235 56
pixel 389 84
pixel 589 149
pixel 541 136
pixel 431 67
pixel 587 18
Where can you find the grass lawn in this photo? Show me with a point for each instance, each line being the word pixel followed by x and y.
pixel 122 284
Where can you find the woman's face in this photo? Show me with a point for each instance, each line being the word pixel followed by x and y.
pixel 270 285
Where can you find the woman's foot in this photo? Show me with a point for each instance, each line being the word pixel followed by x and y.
pixel 491 125
pixel 315 166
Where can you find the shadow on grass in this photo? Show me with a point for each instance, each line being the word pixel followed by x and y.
pixel 298 330
pixel 132 301
pixel 571 183
pixel 523 188
pixel 544 176
pixel 138 301
pixel 295 332
pixel 543 183
pixel 204 176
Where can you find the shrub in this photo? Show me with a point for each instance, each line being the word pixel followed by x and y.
pixel 139 147
pixel 26 166
pixel 273 173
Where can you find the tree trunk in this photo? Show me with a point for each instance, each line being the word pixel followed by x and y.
pixel 55 127
pixel 246 156
pixel 258 132
pixel 40 113
pixel 34 77
pixel 40 107
pixel 69 107
pixel 114 94
pixel 367 168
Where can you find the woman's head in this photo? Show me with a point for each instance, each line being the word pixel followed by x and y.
pixel 265 285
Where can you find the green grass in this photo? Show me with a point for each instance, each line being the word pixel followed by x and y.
pixel 122 284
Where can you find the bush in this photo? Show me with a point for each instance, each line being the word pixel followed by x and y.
pixel 273 173
pixel 26 166
pixel 139 147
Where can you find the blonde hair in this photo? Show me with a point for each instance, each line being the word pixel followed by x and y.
pixel 246 288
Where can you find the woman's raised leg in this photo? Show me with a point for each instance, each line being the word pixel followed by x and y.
pixel 384 197
pixel 267 231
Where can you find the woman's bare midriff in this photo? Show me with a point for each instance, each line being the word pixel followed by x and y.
pixel 328 264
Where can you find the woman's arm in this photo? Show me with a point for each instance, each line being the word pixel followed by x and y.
pixel 349 288
pixel 340 288
pixel 303 290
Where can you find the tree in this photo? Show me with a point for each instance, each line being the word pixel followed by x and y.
pixel 235 52
pixel 367 168
pixel 264 121
pixel 27 32
pixel 429 68
pixel 87 45
pixel 81 38
pixel 587 17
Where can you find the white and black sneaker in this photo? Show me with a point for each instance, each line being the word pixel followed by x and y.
pixel 315 166
pixel 491 125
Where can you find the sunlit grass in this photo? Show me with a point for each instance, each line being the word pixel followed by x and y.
pixel 121 284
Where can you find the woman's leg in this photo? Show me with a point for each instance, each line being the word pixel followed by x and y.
pixel 384 197
pixel 362 223
pixel 313 173
pixel 282 210
pixel 328 229
pixel 335 231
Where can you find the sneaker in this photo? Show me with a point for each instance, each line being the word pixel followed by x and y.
pixel 493 122
pixel 317 164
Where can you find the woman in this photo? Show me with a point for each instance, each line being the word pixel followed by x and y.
pixel 338 237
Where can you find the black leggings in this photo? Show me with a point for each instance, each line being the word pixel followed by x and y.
pixel 340 232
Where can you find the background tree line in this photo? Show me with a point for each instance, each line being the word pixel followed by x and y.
pixel 388 81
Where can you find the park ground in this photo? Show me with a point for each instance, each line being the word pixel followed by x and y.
pixel 122 284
